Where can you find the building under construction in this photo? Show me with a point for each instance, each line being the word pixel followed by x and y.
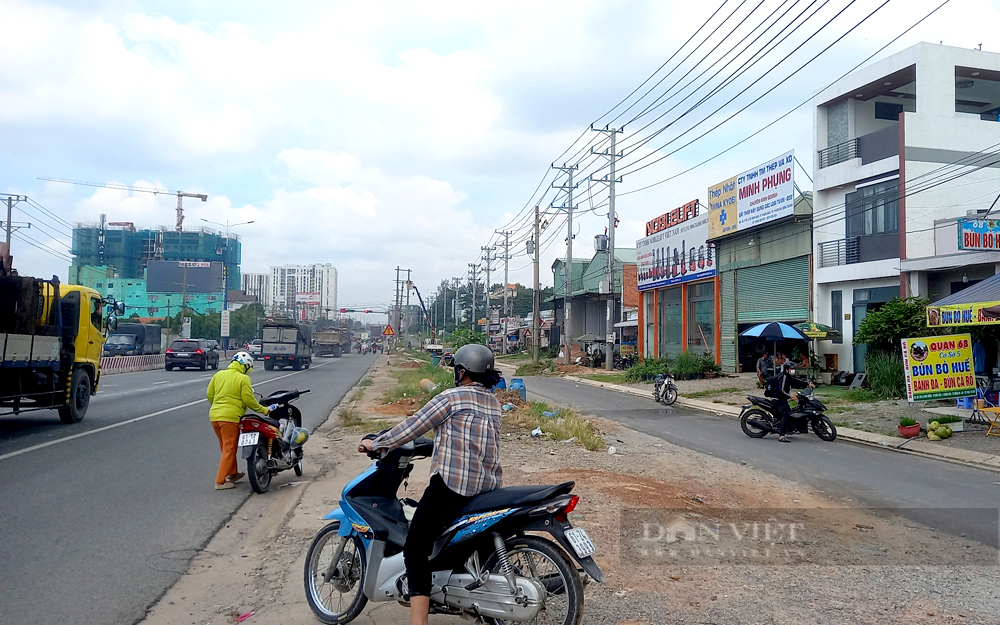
pixel 128 250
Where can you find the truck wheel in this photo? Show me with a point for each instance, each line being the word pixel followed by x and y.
pixel 79 398
pixel 297 366
pixel 268 366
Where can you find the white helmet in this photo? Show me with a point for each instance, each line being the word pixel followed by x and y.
pixel 244 359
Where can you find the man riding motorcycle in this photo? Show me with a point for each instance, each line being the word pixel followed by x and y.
pixel 466 421
pixel 786 383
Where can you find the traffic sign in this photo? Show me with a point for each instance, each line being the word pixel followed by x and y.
pixel 388 331
pixel 225 324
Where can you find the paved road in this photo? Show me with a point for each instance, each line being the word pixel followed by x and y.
pixel 950 498
pixel 101 517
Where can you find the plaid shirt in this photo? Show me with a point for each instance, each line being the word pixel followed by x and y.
pixel 466 422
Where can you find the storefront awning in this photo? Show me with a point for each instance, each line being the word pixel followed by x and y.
pixel 632 323
pixel 986 291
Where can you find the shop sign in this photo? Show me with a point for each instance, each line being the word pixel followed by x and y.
pixel 978 314
pixel 755 197
pixel 979 234
pixel 938 367
pixel 676 254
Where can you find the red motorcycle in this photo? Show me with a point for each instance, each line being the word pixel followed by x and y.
pixel 273 443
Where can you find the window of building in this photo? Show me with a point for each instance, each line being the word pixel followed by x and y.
pixel 701 318
pixel 888 110
pixel 153 310
pixel 977 92
pixel 873 209
pixel 100 285
pixel 671 324
pixel 837 312
pixel 649 319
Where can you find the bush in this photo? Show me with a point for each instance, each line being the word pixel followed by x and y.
pixel 544 366
pixel 688 364
pixel 465 336
pixel 647 369
pixel 706 364
pixel 885 377
pixel 899 319
pixel 907 421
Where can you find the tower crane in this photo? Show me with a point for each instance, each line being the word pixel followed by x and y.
pixel 154 190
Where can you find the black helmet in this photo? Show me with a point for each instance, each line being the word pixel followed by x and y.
pixel 474 358
pixel 788 365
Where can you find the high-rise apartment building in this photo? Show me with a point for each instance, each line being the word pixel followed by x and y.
pixel 307 291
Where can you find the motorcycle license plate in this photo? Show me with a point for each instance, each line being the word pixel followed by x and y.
pixel 580 540
pixel 249 438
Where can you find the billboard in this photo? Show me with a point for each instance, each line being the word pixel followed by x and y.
pixel 979 234
pixel 308 298
pixel 676 253
pixel 977 314
pixel 752 198
pixel 938 367
pixel 170 276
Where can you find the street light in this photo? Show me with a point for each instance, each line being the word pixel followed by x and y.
pixel 225 276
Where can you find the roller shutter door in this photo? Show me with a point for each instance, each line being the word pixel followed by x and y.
pixel 773 292
pixel 727 335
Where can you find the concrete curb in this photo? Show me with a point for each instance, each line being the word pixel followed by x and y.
pixel 976 459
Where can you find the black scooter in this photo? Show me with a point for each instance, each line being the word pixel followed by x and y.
pixel 761 417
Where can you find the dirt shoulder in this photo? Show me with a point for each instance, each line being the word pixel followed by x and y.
pixel 855 566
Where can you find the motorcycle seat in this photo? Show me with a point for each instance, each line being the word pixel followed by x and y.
pixel 266 419
pixel 514 496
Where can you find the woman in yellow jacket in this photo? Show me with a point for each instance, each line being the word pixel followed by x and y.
pixel 230 394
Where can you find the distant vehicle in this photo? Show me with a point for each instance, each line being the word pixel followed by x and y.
pixel 52 335
pixel 286 344
pixel 184 353
pixel 331 341
pixel 254 347
pixel 133 339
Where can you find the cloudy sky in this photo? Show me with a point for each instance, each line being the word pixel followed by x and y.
pixel 372 134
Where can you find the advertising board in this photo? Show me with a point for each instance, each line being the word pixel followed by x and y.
pixel 308 298
pixel 977 314
pixel 171 276
pixel 676 253
pixel 752 198
pixel 938 367
pixel 979 234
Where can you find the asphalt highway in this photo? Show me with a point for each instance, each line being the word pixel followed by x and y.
pixel 955 499
pixel 99 518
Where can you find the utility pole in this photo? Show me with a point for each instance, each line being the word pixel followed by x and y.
pixel 536 312
pixel 406 317
pixel 489 311
pixel 473 267
pixel 10 227
pixel 568 279
pixel 396 315
pixel 612 155
pixel 506 279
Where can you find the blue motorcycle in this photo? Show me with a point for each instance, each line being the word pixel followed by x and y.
pixel 487 567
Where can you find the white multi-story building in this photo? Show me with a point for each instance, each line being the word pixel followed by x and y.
pixel 905 147
pixel 257 285
pixel 310 291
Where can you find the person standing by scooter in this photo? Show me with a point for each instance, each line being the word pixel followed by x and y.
pixel 466 462
pixel 230 395
pixel 786 383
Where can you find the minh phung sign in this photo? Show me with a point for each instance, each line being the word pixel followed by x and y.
pixel 676 250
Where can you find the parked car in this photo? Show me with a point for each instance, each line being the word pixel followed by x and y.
pixel 254 348
pixel 184 353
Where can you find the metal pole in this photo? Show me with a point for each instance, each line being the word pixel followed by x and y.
pixel 10 209
pixel 506 279
pixel 406 318
pixel 609 353
pixel 568 283
pixel 536 336
pixel 475 321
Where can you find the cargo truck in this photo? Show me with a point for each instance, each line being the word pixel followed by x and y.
pixel 133 339
pixel 286 344
pixel 332 341
pixel 51 336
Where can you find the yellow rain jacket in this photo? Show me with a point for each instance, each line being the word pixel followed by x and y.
pixel 230 394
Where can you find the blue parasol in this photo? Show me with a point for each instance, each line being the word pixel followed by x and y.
pixel 775 331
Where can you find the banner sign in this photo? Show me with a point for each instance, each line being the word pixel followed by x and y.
pixel 938 367
pixel 978 314
pixel 308 298
pixel 676 254
pixel 979 234
pixel 224 330
pixel 756 196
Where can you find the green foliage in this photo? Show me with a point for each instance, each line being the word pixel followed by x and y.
pixel 907 421
pixel 409 382
pixel 544 366
pixel 647 369
pixel 366 382
pixel 885 376
pixel 947 418
pixel 465 336
pixel 706 363
pixel 860 395
pixel 882 329
pixel 687 364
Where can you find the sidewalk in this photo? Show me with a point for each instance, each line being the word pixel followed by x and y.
pixel 912 446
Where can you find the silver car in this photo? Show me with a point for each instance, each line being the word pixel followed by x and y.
pixel 255 348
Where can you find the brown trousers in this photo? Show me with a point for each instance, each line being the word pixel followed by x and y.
pixel 228 434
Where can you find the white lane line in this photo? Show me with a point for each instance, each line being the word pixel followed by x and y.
pixel 127 422
pixel 162 382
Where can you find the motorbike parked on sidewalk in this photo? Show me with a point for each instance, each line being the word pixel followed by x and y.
pixel 273 443
pixel 487 568
pixel 664 390
pixel 761 417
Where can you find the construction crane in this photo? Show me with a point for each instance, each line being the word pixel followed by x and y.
pixel 154 190
pixel 426 314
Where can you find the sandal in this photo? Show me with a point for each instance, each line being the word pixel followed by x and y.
pixel 782 439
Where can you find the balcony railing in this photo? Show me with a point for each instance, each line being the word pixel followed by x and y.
pixel 838 153
pixel 839 252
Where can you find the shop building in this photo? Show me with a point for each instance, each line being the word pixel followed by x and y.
pixel 906 150
pixel 677 285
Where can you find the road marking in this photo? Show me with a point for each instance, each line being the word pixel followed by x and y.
pixel 162 382
pixel 129 421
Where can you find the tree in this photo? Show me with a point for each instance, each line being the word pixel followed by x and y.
pixel 898 319
pixel 465 336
